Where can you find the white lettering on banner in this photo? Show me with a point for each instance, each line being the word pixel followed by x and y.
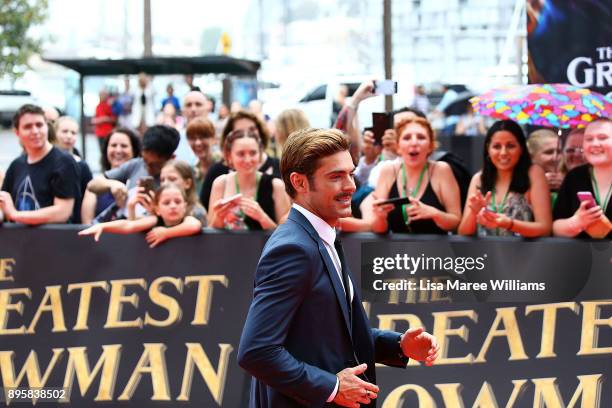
pixel 583 72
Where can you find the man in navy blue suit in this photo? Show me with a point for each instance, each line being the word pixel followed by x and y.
pixel 307 340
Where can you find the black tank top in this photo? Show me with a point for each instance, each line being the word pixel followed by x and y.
pixel 265 200
pixel 395 218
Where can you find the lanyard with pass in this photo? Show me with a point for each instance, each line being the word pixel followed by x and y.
pixel 603 204
pixel 257 178
pixel 405 189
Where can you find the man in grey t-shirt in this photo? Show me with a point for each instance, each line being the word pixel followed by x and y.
pixel 158 145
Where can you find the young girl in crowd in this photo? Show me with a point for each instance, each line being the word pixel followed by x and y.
pixel 510 195
pixel 588 218
pixel 432 190
pixel 262 203
pixel 176 172
pixel 171 219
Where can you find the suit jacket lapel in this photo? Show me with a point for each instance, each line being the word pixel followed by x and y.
pixel 296 216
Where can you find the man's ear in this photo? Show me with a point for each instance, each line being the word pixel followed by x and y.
pixel 299 182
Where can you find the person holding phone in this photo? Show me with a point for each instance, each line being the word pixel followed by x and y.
pixel 574 213
pixel 434 205
pixel 249 122
pixel 262 203
pixel 158 145
pixel 169 219
pixel 120 147
pixel 510 195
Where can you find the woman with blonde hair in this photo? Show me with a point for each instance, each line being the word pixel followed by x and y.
pixel 545 150
pixel 287 122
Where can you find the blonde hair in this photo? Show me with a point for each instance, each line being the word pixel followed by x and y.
pixel 536 139
pixel 186 172
pixel 62 119
pixel 287 122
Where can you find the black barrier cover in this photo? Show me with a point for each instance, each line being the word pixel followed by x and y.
pixel 549 270
pixel 185 352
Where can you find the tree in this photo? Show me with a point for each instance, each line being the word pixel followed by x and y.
pixel 16 46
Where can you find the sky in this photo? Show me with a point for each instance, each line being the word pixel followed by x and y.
pixel 96 27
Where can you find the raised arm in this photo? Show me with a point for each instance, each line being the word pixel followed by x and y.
pixel 100 184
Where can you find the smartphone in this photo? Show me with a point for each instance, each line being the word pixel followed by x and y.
pixel 380 123
pixel 588 197
pixel 148 183
pixel 230 199
pixel 399 201
pixel 385 87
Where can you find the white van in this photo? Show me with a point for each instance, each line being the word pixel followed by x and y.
pixel 10 101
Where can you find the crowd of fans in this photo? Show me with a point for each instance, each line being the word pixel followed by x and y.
pixel 173 177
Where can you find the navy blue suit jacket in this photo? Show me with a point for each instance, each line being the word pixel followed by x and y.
pixel 297 334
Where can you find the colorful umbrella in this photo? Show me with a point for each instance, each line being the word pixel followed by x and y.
pixel 550 105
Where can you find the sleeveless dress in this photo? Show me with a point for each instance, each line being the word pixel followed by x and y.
pixel 395 218
pixel 516 207
pixel 265 200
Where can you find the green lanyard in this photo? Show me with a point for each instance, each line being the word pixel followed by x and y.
pixel 416 189
pixel 257 178
pixel 605 202
pixel 501 205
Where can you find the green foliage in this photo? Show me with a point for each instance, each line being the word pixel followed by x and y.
pixel 16 45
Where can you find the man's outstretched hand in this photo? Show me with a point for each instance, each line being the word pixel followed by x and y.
pixel 352 390
pixel 419 345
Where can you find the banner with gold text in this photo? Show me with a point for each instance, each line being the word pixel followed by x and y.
pixel 118 324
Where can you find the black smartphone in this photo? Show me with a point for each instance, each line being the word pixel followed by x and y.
pixel 380 123
pixel 147 183
pixel 398 201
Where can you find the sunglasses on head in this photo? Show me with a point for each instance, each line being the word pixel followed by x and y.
pixel 251 132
